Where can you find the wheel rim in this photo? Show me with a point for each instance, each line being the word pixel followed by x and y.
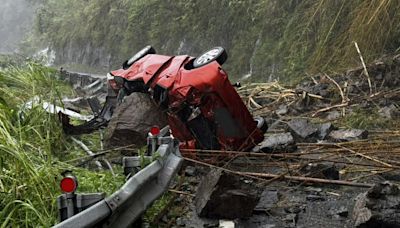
pixel 208 56
pixel 138 55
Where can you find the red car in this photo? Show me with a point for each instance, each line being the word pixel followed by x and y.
pixel 203 108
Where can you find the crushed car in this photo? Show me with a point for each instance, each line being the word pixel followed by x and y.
pixel 203 109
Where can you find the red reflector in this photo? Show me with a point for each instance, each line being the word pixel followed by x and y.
pixel 155 130
pixel 68 184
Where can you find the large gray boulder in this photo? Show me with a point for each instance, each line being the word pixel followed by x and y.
pixel 226 196
pixel 379 207
pixel 132 120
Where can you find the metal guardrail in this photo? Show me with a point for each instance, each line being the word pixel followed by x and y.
pixel 126 205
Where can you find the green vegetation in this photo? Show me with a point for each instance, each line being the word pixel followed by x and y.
pixel 270 38
pixel 368 119
pixel 32 147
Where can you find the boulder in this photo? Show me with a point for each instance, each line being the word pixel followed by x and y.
pixel 379 207
pixel 132 120
pixel 225 196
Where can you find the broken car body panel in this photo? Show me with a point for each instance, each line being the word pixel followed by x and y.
pixel 144 69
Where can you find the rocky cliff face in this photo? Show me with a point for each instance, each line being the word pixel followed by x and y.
pixel 265 39
pixel 86 54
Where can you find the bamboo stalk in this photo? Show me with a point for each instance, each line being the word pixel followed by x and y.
pixel 365 68
pixel 367 157
pixel 310 179
pixel 329 108
pixel 284 177
pixel 181 192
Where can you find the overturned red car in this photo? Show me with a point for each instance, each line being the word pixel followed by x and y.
pixel 203 108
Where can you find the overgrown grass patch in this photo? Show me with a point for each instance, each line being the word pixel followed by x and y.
pixel 367 119
pixel 32 149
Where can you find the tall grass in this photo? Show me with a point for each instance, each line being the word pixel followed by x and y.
pixel 32 146
pixel 319 35
pixel 28 140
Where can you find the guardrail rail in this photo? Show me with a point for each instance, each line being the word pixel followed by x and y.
pixel 127 204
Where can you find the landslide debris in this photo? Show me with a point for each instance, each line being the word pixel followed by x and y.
pixel 328 127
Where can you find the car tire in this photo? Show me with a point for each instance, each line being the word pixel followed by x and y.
pixel 214 54
pixel 261 124
pixel 140 54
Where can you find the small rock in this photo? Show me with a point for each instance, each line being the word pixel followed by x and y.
pixel 324 130
pixel 211 225
pixel 190 171
pixel 321 89
pixel 364 105
pixel 333 115
pixel 291 220
pixel 384 102
pixel 379 76
pixel 391 176
pixel 269 226
pixel 180 222
pixel 302 129
pixel 296 208
pixel 278 142
pixel 348 135
pixel 314 198
pixel 164 219
pixel 226 224
pixel 389 112
pixel 312 189
pixel 321 170
pixel 381 190
pixel 342 211
pixel 267 201
pixel 282 110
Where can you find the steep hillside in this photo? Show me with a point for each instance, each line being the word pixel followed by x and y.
pixel 267 39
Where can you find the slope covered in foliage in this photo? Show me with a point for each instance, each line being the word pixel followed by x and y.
pixel 33 149
pixel 266 38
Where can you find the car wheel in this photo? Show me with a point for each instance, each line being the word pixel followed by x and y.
pixel 215 54
pixel 145 51
pixel 261 124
